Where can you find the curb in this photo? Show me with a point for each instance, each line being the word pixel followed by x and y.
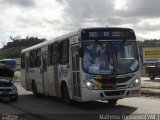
pixel 150 92
pixel 17 80
pixel 150 87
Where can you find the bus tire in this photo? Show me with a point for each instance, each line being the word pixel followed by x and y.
pixel 34 89
pixel 14 99
pixel 112 102
pixel 151 76
pixel 65 94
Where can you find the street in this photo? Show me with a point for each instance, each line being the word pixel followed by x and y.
pixel 29 107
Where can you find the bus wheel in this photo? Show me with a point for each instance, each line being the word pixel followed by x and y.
pixel 151 76
pixel 65 95
pixel 34 89
pixel 112 101
pixel 14 99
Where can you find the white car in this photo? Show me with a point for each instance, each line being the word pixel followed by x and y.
pixel 7 88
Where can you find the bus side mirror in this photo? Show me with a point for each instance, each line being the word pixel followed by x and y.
pixel 81 52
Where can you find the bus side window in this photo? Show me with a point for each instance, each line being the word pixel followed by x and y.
pixel 35 58
pixel 31 59
pixel 55 53
pixel 49 55
pixel 38 58
pixel 64 46
pixel 23 61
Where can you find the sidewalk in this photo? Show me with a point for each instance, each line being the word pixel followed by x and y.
pixel 150 92
pixel 150 88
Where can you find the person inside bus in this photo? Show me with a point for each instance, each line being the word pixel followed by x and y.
pixel 87 60
pixel 91 60
pixel 102 62
pixel 99 58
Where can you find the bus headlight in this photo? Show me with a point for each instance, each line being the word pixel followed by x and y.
pixel 135 83
pixel 89 84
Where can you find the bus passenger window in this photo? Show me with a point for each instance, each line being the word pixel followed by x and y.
pixel 35 58
pixel 55 53
pixel 38 58
pixel 23 61
pixel 49 55
pixel 64 51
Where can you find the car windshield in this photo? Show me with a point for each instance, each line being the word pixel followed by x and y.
pixel 110 57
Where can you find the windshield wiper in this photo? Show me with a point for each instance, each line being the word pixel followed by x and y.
pixel 121 45
pixel 105 50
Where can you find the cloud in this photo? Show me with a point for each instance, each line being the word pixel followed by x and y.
pixel 87 9
pixel 133 13
pixel 23 3
pixel 141 8
pixel 87 13
pixel 50 18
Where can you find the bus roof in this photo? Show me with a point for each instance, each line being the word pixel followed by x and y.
pixel 66 36
pixel 50 41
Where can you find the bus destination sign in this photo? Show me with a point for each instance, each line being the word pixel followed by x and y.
pixel 105 34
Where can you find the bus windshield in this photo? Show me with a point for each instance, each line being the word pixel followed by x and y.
pixel 112 57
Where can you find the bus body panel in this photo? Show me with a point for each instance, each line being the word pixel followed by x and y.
pixel 52 90
pixel 23 79
pixel 35 75
pixel 64 76
pixel 91 95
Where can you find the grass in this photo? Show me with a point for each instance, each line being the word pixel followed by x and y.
pixel 18 66
pixel 16 78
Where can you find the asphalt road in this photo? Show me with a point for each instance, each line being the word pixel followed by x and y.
pixel 30 108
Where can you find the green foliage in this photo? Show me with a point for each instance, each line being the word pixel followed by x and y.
pixel 13 49
pixel 13 52
pixel 24 42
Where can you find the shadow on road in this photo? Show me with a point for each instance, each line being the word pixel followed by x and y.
pixel 52 105
pixel 52 108
pixel 99 105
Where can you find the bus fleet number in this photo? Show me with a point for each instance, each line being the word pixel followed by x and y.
pixel 90 77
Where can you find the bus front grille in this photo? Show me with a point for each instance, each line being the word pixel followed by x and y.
pixel 123 80
pixel 114 93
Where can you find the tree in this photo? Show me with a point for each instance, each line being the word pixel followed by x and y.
pixel 12 49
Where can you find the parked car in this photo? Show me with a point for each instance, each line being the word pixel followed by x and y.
pixel 7 88
pixel 153 71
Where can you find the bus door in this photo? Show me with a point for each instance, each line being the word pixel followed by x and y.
pixel 75 72
pixel 44 74
pixel 28 82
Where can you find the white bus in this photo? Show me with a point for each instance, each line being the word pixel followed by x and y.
pixel 86 65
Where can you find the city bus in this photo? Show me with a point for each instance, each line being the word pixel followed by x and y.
pixel 86 65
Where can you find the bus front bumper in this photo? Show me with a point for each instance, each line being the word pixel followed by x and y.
pixel 91 95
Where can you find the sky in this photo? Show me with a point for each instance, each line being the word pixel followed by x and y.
pixel 51 18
